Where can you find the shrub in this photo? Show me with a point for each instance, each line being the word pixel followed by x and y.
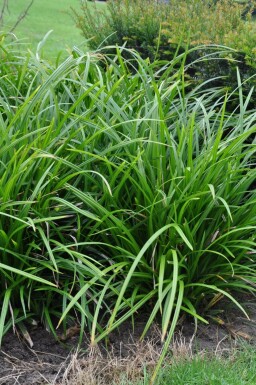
pixel 141 23
pixel 159 30
pixel 134 22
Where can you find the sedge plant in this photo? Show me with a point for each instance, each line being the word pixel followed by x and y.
pixel 121 191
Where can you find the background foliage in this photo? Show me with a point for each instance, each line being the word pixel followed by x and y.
pixel 158 29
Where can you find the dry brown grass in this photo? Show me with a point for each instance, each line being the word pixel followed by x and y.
pixel 108 369
pixel 99 368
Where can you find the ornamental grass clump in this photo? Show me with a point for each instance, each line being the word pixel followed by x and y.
pixel 121 191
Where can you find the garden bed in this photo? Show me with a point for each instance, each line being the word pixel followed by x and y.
pixel 50 361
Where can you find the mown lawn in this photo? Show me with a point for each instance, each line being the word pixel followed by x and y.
pixel 237 370
pixel 43 16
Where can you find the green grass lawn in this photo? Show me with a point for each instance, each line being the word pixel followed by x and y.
pixel 238 369
pixel 234 367
pixel 43 16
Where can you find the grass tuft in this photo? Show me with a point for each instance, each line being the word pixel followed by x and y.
pixel 120 191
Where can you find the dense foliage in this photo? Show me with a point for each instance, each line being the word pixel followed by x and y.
pixel 151 27
pixel 120 191
pixel 158 29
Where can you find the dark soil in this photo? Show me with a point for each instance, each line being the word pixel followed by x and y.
pixel 47 360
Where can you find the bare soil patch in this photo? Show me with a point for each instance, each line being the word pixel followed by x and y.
pixel 50 361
